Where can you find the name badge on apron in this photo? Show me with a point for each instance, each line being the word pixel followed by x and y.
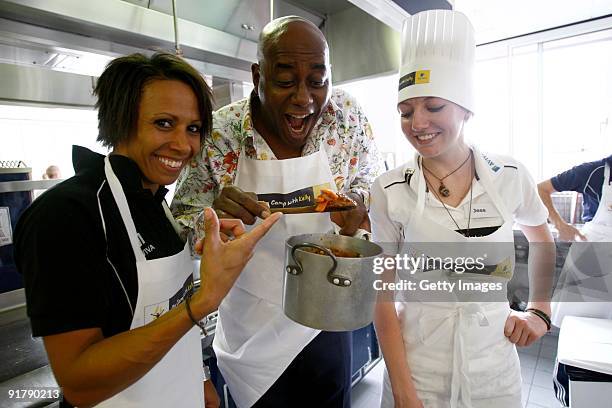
pixel 485 210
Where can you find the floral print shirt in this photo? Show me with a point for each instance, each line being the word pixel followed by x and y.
pixel 343 130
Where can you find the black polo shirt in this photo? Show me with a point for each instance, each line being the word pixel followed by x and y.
pixel 69 265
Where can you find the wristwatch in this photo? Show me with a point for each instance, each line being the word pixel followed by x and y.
pixel 365 196
pixel 205 373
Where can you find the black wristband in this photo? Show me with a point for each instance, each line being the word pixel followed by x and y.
pixel 542 315
pixel 196 322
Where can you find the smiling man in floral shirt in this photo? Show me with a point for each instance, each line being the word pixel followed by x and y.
pixel 292 133
pixel 342 129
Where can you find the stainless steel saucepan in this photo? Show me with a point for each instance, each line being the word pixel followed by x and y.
pixel 325 291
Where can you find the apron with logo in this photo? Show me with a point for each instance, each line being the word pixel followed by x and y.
pixel 585 284
pixel 176 380
pixel 457 350
pixel 254 341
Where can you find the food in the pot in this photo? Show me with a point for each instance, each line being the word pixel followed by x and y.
pixel 340 253
pixel 329 200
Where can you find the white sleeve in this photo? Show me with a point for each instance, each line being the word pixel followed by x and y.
pixel 530 211
pixel 385 232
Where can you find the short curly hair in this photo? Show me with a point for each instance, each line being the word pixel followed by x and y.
pixel 120 87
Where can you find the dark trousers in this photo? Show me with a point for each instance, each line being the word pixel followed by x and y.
pixel 318 377
pixel 561 384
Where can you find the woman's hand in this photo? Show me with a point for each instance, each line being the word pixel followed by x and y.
pixel 222 262
pixel 404 399
pixel 523 328
pixel 211 398
pixel 229 228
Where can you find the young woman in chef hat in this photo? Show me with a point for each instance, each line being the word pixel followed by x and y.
pixel 454 349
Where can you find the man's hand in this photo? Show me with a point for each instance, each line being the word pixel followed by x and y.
pixel 211 398
pixel 567 232
pixel 570 233
pixel 523 328
pixel 350 221
pixel 222 261
pixel 235 203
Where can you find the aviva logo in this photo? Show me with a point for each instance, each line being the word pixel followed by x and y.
pixel 491 163
pixel 144 247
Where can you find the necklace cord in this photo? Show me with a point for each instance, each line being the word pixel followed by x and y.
pixel 452 172
pixel 472 166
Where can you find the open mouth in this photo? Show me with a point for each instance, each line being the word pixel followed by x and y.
pixel 426 138
pixel 297 123
pixel 170 164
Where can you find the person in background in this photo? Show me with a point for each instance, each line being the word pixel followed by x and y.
pixel 52 172
pixel 293 132
pixel 453 349
pixel 108 281
pixel 593 181
pixel 587 263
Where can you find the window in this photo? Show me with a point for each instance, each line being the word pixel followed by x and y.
pixel 42 136
pixel 378 98
pixel 546 99
pixel 577 92
pixel 489 128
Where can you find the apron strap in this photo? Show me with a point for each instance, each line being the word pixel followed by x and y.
pixel 487 183
pixel 124 209
pixel 168 213
pixel 599 229
pixel 126 215
pixel 431 330
pixel 106 252
pixel 485 178
pixel 421 187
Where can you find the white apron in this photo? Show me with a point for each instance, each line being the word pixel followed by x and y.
pixel 254 341
pixel 176 380
pixel 585 284
pixel 457 351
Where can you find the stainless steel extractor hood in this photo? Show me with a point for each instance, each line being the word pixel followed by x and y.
pixel 217 36
pixel 363 35
pixel 132 25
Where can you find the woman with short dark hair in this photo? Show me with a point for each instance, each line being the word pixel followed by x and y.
pixel 108 280
pixel 119 91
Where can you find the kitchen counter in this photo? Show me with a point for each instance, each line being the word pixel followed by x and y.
pixel 518 287
pixel 19 352
pixel 24 363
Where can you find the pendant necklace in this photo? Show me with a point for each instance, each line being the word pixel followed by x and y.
pixel 443 190
pixel 467 234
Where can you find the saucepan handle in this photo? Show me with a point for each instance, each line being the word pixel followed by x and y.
pixel 332 277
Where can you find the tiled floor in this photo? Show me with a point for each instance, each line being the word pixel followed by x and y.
pixel 537 362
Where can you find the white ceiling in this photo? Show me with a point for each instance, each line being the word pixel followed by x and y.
pixel 499 19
